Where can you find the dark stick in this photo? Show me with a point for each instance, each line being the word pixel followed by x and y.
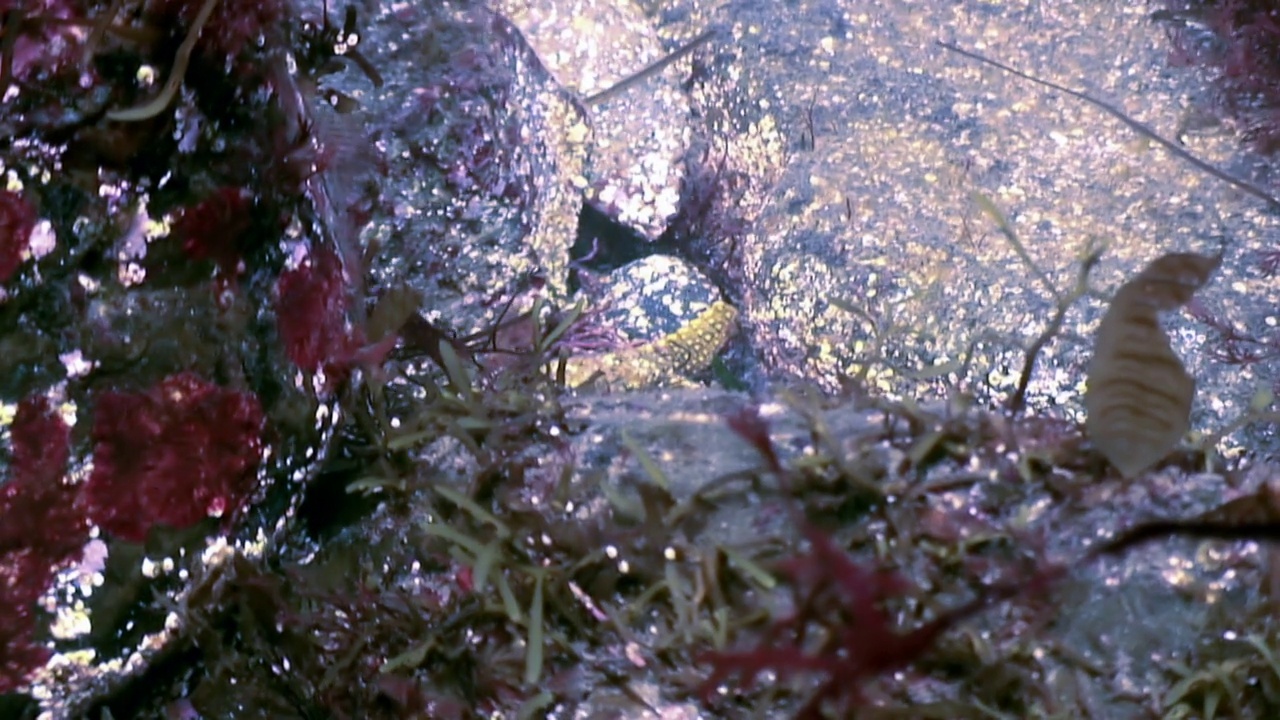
pixel 1134 125
pixel 632 80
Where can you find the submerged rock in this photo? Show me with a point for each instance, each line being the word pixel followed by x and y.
pixel 640 136
pixel 485 156
pixel 174 320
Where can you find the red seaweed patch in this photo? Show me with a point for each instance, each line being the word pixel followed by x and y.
pixel 312 312
pixel 40 527
pixel 182 451
pixel 17 220
pixel 212 229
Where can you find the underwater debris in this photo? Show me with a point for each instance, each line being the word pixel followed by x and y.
pixel 1139 395
pixel 650 70
pixel 169 91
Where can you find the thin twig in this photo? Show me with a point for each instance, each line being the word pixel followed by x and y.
pixel 1134 125
pixel 100 27
pixel 1006 229
pixel 157 105
pixel 631 81
pixel 1018 400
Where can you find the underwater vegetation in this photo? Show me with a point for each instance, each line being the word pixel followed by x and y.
pixel 477 540
pixel 525 581
pixel 42 526
pixel 1237 42
pixel 840 630
pixel 183 427
pixel 17 221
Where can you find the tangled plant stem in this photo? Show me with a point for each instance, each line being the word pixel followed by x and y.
pixel 156 106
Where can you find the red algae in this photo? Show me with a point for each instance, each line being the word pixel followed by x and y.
pixel 41 526
pixel 183 451
pixel 23 578
pixel 312 313
pixel 36 503
pixel 213 229
pixel 1244 60
pixel 17 220
pixel 175 385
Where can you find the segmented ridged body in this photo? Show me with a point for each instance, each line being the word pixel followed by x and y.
pixel 1139 394
pixel 660 362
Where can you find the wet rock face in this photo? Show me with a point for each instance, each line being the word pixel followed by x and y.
pixel 844 148
pixel 184 286
pixel 174 319
pixel 488 158
pixel 641 135
pixel 483 149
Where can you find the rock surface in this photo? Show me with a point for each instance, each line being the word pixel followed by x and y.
pixel 817 178
pixel 871 141
pixel 640 136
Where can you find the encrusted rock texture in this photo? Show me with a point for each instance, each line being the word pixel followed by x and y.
pixel 381 362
